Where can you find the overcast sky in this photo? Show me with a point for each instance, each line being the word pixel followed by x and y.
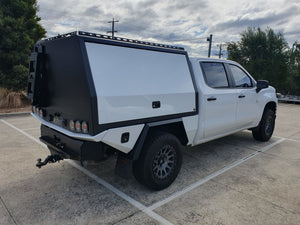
pixel 166 21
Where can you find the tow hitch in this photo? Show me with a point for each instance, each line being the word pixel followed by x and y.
pixel 49 159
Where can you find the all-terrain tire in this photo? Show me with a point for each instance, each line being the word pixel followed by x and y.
pixel 160 161
pixel 264 131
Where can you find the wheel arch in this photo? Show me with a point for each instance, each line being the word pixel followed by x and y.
pixel 174 127
pixel 271 105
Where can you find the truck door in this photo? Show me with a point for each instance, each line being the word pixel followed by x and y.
pixel 248 110
pixel 219 100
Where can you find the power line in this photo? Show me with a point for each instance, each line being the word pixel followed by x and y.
pixel 113 31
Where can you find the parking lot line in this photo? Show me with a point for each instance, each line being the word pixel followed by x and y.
pixel 8 211
pixel 121 194
pixel 140 206
pixel 292 140
pixel 33 128
pixel 289 139
pixel 213 175
pixel 24 133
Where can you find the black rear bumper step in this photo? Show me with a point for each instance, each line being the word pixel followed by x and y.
pixel 58 149
pixel 70 148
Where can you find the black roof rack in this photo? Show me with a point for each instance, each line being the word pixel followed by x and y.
pixel 88 34
pixel 61 36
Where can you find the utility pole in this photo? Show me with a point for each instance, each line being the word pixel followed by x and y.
pixel 210 41
pixel 220 51
pixel 221 46
pixel 113 31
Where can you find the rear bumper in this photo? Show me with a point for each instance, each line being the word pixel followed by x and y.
pixel 70 148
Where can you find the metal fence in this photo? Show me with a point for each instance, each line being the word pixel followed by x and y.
pixel 288 98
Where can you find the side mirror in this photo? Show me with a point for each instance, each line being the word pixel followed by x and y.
pixel 261 84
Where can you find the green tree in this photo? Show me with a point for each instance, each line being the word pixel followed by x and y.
pixel 19 30
pixel 293 80
pixel 263 54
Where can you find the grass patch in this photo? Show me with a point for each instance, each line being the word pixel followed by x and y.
pixel 13 99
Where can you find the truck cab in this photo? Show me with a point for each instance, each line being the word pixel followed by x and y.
pixel 230 98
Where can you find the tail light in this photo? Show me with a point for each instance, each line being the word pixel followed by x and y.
pixel 41 113
pixel 78 126
pixel 84 127
pixel 72 125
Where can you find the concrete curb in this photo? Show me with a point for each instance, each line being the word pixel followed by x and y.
pixel 14 114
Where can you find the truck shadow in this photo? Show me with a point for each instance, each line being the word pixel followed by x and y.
pixel 198 162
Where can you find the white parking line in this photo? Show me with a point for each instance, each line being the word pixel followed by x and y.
pixel 211 176
pixel 33 128
pixel 121 194
pixel 289 139
pixel 149 210
pixel 24 133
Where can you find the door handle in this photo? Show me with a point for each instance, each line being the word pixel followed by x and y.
pixel 211 99
pixel 242 96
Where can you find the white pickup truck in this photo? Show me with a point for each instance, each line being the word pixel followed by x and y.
pixel 96 95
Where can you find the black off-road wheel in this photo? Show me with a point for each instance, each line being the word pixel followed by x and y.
pixel 266 126
pixel 160 161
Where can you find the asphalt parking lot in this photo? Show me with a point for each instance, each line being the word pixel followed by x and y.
pixel 232 180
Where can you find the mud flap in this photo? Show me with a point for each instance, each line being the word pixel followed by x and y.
pixel 123 166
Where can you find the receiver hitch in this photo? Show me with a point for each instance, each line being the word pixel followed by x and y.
pixel 49 159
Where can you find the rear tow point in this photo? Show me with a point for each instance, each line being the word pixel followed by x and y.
pixel 49 159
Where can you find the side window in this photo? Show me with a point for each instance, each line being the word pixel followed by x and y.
pixel 241 79
pixel 214 74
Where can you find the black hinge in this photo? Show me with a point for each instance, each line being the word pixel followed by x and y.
pixel 33 72
pixel 37 79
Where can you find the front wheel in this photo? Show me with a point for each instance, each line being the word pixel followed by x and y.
pixel 160 161
pixel 266 126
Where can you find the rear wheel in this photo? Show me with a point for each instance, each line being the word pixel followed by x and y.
pixel 266 126
pixel 160 161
